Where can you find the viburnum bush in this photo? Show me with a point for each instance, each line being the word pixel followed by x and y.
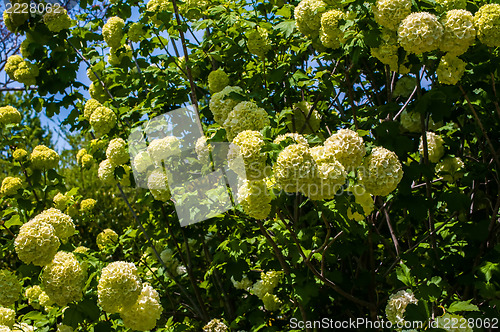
pixel 363 137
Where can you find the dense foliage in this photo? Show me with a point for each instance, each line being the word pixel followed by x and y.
pixel 364 135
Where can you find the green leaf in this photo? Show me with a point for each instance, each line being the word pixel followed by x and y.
pixel 15 220
pixel 404 275
pixel 462 306
pixel 488 268
pixel 286 28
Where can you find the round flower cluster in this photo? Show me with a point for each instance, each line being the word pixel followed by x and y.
pixel 381 172
pixel 266 284
pixel 193 9
pixel 450 70
pixel 221 104
pixel 107 238
pixel 60 201
pixel 245 116
pixel 487 20
pixel 308 17
pixel 87 205
pixel 9 115
pixel 36 243
pixel 294 168
pixel 217 80
pixel 106 172
pixel 215 325
pixel 32 293
pixel 411 121
pixel 64 278
pixel 158 185
pixel 97 92
pixel 420 32
pixel 117 152
pixel 161 148
pixel 10 286
pixel 13 18
pixel 257 42
pixel 330 177
pixel 364 199
pixel 7 317
pixel 396 306
pixel 102 120
pixel 405 86
pixel 157 6
pixel 119 286
pixel 112 31
pixel 135 32
pixel 142 161
pixel 292 137
pixel 57 19
pixel 81 250
pixel 19 154
pixel 62 223
pixel 116 55
pixel 142 315
pixel 387 52
pixel 202 149
pixel 249 144
pixel 347 147
pixel 451 169
pixel 459 31
pixel 45 301
pixel 330 34
pixel 254 198
pixel 10 186
pixel 271 302
pixel 297 120
pixel 243 284
pixel 83 158
pixel 21 70
pixel 447 5
pixel 435 147
pixel 43 157
pixel 90 106
pixel 389 13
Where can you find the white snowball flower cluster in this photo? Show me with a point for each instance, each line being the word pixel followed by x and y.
pixel 308 16
pixel 142 161
pixel 245 116
pixel 248 144
pixel 102 120
pixel 347 147
pixel 396 306
pixel 330 34
pixel 43 157
pixel 293 137
pixel 106 172
pixel 257 42
pixel 112 31
pixel 158 185
pixel 10 286
pixel 264 288
pixel 7 317
pixel 330 177
pixel 107 238
pixel 62 223
pixel 64 278
pixel 435 147
pixel 161 148
pixel 221 104
pixel 119 286
pixel 10 186
pixel 145 312
pixel 487 20
pixel 389 13
pixel 243 284
pixel 215 325
pixel 459 31
pixel 295 168
pixel 36 243
pixel 254 198
pixel 447 5
pixel 420 32
pixel 381 172
pixel 117 152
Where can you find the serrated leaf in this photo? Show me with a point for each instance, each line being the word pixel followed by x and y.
pixel 286 27
pixel 462 306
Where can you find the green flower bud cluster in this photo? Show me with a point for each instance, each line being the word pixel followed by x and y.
pixel 9 115
pixel 43 157
pixel 57 19
pixel 87 205
pixel 405 86
pixel 297 120
pixel 14 18
pixel 157 6
pixel 193 9
pixel 381 172
pixel 448 5
pixel 10 186
pixel 32 293
pixel 330 34
pixel 116 55
pixel 487 20
pixel 112 32
pixel 64 278
pixel 435 147
pixel 264 288
pixel 135 32
pixel 387 52
pixel 451 169
pixel 245 116
pixel 106 173
pixel 21 70
pixel 258 42
pixel 217 80
pixel 254 198
pixel 106 239
pixel 243 284
pixel 364 199
pixel 60 201
pixel 221 104
pixel 97 92
pixel 83 158
pixel 19 154
pixel 308 17
pixel 450 70
pixel 11 288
